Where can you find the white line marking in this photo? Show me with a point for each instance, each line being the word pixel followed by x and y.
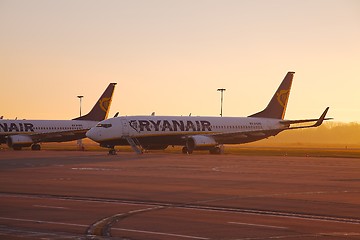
pixel 40 221
pixel 22 233
pixel 144 210
pixel 121 229
pixel 258 225
pixel 275 214
pixel 96 169
pixel 341 234
pixel 76 200
pixel 160 233
pixel 225 210
pixel 55 207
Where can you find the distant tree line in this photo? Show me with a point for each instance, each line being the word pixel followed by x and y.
pixel 330 133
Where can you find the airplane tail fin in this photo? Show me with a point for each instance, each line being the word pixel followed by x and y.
pixel 100 110
pixel 277 106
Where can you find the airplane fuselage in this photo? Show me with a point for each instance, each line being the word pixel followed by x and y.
pixel 172 130
pixel 33 127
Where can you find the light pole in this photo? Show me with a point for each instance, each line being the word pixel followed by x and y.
pixel 222 92
pixel 80 97
pixel 79 142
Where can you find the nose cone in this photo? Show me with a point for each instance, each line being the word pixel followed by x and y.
pixel 93 134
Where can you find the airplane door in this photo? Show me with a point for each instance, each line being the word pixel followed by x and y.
pixel 125 126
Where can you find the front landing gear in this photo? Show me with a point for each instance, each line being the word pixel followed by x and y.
pixel 111 148
pixel 112 151
pixel 36 147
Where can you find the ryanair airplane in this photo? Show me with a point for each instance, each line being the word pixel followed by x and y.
pixel 25 133
pixel 200 133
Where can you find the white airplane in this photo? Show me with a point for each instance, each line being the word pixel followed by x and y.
pixel 199 133
pixel 25 133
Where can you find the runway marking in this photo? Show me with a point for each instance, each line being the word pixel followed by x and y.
pixel 258 225
pixel 12 232
pixel 341 234
pixel 80 199
pixel 190 206
pixel 278 214
pixel 103 226
pixel 96 169
pixel 55 207
pixel 296 236
pixel 120 229
pixel 161 233
pixel 40 221
pixel 275 195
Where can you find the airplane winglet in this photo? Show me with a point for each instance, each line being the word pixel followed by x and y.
pixel 322 118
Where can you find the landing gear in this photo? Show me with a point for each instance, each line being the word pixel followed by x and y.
pixel 216 150
pixel 186 150
pixel 80 144
pixel 35 147
pixel 112 151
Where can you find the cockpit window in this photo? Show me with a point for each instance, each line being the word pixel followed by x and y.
pixel 104 125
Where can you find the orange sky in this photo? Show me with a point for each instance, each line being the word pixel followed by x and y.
pixel 169 57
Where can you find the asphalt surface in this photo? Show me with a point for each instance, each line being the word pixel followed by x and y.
pixel 90 195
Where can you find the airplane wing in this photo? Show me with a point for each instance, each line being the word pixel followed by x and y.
pixel 242 136
pixel 59 136
pixel 238 135
pixel 319 121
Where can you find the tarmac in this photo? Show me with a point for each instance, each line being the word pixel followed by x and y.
pixel 92 195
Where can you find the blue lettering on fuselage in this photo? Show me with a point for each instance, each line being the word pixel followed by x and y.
pixel 172 125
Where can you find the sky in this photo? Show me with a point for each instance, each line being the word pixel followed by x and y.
pixel 170 57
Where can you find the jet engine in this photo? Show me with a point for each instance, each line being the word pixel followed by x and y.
pixel 18 141
pixel 200 142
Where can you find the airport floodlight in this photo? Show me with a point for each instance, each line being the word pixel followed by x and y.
pixel 221 104
pixel 80 97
